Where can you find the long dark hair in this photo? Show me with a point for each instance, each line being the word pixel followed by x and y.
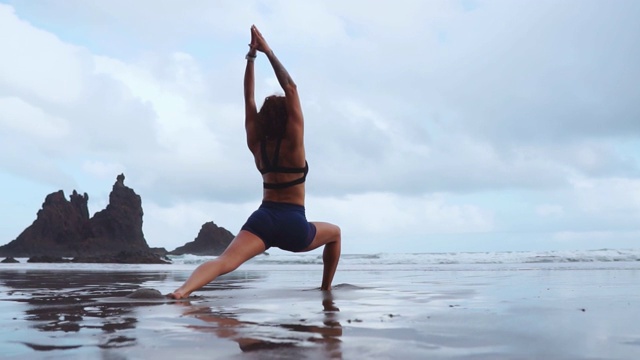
pixel 272 118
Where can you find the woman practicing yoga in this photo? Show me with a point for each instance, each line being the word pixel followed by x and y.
pixel 275 137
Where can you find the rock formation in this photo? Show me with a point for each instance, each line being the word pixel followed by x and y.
pixel 119 227
pixel 211 240
pixel 63 228
pixel 60 228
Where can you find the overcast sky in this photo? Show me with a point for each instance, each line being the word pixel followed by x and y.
pixel 430 125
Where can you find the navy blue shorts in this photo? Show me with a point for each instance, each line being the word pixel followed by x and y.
pixel 281 225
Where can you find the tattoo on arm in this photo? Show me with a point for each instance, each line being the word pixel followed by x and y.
pixel 281 73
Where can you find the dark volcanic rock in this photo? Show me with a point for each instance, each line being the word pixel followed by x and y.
pixel 211 240
pixel 59 229
pixel 9 260
pixel 160 251
pixel 63 229
pixel 146 293
pixel 119 227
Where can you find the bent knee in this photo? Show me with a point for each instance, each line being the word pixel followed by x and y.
pixel 337 233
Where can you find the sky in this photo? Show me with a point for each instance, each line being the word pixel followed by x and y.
pixel 430 126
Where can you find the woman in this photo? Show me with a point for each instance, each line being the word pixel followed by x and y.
pixel 275 137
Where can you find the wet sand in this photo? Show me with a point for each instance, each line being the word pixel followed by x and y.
pixel 373 313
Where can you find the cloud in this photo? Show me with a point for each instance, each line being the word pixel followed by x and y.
pixel 603 237
pixel 197 141
pixel 553 72
pixel 102 169
pixel 55 108
pixel 22 118
pixel 550 210
pixel 379 218
pixel 615 200
pixel 412 109
pixel 37 63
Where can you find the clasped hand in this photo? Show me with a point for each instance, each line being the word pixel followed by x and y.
pixel 257 41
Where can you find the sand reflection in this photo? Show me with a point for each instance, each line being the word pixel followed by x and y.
pixel 277 337
pixel 63 302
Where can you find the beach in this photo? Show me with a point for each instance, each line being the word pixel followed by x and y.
pixel 402 307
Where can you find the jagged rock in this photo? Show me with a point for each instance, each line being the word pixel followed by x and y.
pixel 211 240
pixel 160 251
pixel 9 260
pixel 119 227
pixel 59 229
pixel 63 229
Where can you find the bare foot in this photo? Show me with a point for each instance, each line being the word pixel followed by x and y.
pixel 178 294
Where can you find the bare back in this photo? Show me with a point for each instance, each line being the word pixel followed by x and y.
pixel 291 154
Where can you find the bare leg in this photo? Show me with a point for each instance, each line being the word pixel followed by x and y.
pixel 330 236
pixel 245 246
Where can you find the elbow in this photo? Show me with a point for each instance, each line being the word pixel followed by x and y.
pixel 290 88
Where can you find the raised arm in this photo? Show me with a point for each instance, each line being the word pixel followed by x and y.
pixel 286 82
pixel 251 113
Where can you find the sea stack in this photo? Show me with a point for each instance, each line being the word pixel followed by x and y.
pixel 63 228
pixel 211 240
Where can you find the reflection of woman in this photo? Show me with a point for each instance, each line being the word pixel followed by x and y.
pixel 275 136
pixel 252 336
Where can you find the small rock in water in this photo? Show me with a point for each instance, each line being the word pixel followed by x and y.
pixel 146 293
pixel 9 260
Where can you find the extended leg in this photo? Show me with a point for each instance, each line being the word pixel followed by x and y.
pixel 245 246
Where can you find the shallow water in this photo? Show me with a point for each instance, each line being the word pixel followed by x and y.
pixel 477 311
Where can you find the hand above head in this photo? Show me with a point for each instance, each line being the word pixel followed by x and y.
pixel 252 45
pixel 258 41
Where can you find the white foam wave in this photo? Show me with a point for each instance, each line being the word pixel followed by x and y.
pixel 525 257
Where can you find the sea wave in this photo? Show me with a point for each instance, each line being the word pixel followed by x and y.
pixel 483 258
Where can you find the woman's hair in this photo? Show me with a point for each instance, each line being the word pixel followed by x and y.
pixel 272 117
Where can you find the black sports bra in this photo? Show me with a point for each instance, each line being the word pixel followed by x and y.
pixel 273 167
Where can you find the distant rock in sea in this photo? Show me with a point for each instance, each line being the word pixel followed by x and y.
pixel 160 251
pixel 9 260
pixel 63 228
pixel 211 240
